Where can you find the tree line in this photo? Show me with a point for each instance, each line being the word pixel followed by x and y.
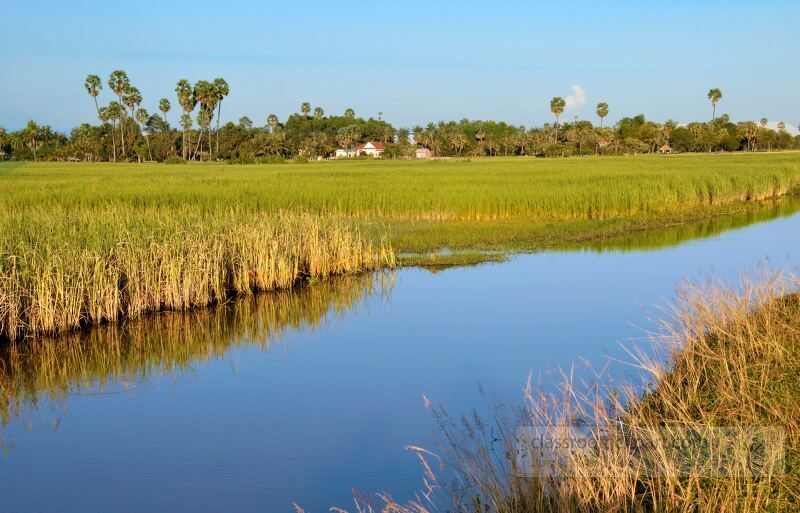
pixel 126 132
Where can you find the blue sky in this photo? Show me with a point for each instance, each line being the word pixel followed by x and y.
pixel 414 61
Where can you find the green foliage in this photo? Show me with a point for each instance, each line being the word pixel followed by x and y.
pixel 175 160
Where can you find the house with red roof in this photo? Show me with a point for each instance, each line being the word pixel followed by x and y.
pixel 372 148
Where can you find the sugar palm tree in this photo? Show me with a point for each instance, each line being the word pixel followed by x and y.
pixel 105 117
pixel 116 112
pixel 403 135
pixel 203 120
pixel 781 126
pixel 602 112
pixel 557 106
pixel 187 101
pixel 349 113
pixel 418 134
pixel 272 121
pixel 305 108
pixel 93 86
pixel 206 95
pixel 142 117
pixel 186 125
pixel 319 113
pixel 714 95
pixel 28 137
pixel 458 140
pixel 222 89
pixel 119 82
pixel 164 106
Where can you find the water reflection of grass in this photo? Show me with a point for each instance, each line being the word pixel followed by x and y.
pixel 716 428
pixel 169 341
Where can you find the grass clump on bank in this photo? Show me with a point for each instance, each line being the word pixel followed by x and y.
pixel 735 365
pixel 715 428
pixel 63 269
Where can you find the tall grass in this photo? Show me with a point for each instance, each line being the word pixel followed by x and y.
pixel 734 364
pixel 61 269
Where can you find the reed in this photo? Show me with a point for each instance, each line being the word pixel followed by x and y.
pixel 62 269
pixel 732 365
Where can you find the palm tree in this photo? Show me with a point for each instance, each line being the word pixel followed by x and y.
pixel 142 117
pixel 188 102
pixel 714 95
pixel 403 135
pixel 380 115
pixel 93 86
pixel 27 137
pixel 458 140
pixel 186 125
pixel 319 113
pixel 164 106
pixel 116 112
pixel 602 112
pixel 781 126
pixel 349 113
pixel 119 83
pixel 305 108
pixel 132 99
pixel 206 94
pixel 204 120
pixel 557 105
pixel 764 122
pixel 418 134
pixel 222 90
pixel 105 117
pixel 272 121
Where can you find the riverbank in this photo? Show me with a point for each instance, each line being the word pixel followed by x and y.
pixel 84 244
pixel 727 395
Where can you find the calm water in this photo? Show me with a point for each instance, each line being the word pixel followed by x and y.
pixel 302 396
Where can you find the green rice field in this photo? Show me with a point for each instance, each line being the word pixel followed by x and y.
pixel 90 243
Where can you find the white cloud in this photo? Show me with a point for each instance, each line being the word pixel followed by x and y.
pixel 577 99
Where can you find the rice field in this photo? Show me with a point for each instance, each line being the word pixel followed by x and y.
pixel 84 244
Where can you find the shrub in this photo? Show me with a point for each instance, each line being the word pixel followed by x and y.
pixel 174 160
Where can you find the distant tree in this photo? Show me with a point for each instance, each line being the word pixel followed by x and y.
pixel 93 86
pixel 119 82
pixel 557 106
pixel 115 112
pixel 187 101
pixel 714 95
pixel 319 113
pixel 349 113
pixel 781 126
pixel 142 117
pixel 272 122
pixel 164 106
pixel 403 136
pixel 602 112
pixel 203 121
pixel 380 115
pixel 28 137
pixel 418 134
pixel 245 123
pixel 222 89
pixel 207 96
pixel 763 122
pixel 458 140
pixel 305 108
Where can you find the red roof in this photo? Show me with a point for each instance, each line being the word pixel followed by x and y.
pixel 378 146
